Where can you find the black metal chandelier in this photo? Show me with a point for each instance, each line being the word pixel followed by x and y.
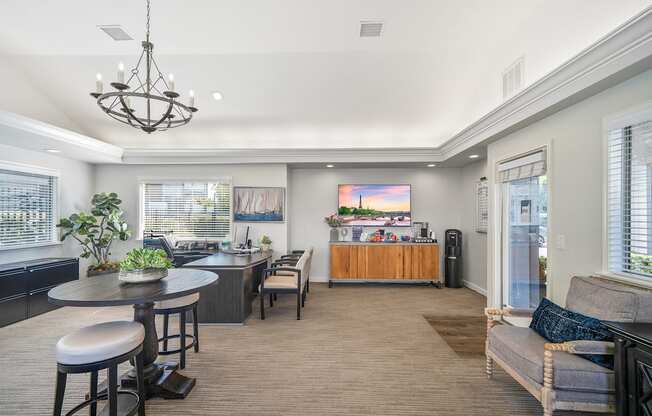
pixel 146 101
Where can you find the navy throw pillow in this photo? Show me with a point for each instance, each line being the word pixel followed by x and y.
pixel 557 324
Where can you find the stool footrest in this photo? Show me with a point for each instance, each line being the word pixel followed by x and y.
pixel 178 350
pixel 127 404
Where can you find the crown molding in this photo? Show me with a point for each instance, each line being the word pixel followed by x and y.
pixel 621 54
pixel 238 156
pixel 27 133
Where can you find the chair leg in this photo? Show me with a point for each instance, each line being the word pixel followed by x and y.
pixel 490 367
pixel 303 299
pixel 195 327
pixel 262 306
pixel 182 339
pixel 275 296
pixel 113 390
pixel 308 285
pixel 93 394
pixel 140 381
pixel 166 321
pixel 271 300
pixel 59 392
pixel 298 305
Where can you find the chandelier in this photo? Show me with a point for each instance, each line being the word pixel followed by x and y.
pixel 146 100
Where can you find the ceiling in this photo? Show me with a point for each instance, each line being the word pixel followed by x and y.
pixel 295 73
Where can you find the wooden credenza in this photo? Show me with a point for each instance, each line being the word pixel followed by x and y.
pixel 384 261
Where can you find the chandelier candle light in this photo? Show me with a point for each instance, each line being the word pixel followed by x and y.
pixel 156 110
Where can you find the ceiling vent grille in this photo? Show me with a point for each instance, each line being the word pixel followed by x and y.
pixel 513 78
pixel 371 28
pixel 116 32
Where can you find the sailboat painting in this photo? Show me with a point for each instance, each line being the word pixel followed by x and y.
pixel 258 204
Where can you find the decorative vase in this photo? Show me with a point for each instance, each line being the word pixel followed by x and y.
pixel 142 275
pixel 335 234
pixel 265 247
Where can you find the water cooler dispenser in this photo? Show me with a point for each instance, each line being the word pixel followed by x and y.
pixel 453 258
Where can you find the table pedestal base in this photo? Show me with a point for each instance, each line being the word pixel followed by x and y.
pixel 162 380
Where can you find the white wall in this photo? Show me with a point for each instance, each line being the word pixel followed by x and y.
pixel 474 248
pixel 124 180
pixel 435 198
pixel 76 189
pixel 575 137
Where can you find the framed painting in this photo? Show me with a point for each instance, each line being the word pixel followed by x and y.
pixel 258 204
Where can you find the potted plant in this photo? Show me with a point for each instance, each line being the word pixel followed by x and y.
pixel 97 231
pixel 334 221
pixel 142 265
pixel 265 243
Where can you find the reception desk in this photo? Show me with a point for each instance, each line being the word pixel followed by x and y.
pixel 229 302
pixel 398 262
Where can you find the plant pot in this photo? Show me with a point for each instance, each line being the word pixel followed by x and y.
pixel 142 275
pixel 98 272
pixel 335 234
pixel 266 247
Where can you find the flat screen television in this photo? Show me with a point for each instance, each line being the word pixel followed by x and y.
pixel 375 205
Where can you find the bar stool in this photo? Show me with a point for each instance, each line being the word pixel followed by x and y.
pixel 95 348
pixel 181 306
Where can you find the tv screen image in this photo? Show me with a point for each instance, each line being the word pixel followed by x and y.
pixel 375 205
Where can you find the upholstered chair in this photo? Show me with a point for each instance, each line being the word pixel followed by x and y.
pixel 554 373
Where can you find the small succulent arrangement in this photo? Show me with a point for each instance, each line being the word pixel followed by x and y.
pixel 144 265
pixel 333 221
pixel 265 243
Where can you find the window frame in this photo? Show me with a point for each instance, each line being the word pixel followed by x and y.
pixel 26 169
pixel 621 120
pixel 166 179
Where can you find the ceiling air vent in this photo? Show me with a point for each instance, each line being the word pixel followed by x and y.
pixel 116 32
pixel 371 28
pixel 513 78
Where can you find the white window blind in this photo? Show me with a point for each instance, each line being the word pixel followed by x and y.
pixel 629 198
pixel 27 209
pixel 528 166
pixel 188 210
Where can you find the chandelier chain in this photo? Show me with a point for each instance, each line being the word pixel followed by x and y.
pixel 147 26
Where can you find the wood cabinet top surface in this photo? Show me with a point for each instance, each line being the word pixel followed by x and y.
pixel 367 243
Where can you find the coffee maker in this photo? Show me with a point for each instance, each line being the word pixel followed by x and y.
pixel 421 233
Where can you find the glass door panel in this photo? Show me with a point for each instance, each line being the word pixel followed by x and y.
pixel 525 229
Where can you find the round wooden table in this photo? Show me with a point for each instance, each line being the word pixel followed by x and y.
pixel 161 379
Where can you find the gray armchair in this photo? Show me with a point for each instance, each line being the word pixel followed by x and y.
pixel 554 373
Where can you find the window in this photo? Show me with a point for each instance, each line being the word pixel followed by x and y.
pixel 629 195
pixel 28 206
pixel 188 210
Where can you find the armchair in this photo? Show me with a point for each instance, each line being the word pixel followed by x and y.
pixel 554 373
pixel 287 275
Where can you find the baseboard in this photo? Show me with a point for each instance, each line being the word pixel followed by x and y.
pixel 475 288
pixel 319 279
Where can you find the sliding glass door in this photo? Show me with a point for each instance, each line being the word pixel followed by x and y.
pixel 524 231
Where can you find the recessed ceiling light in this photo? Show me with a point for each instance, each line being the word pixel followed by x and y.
pixel 431 165
pixel 330 166
pixel 53 150
pixel 217 96
pixel 474 156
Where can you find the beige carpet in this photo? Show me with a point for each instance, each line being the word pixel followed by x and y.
pixel 358 351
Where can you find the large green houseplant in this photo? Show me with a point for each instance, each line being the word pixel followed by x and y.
pixel 97 231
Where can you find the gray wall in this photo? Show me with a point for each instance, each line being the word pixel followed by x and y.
pixel 125 179
pixel 474 243
pixel 75 192
pixel 435 198
pixel 575 176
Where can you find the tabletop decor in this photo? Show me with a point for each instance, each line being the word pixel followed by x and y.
pixel 258 204
pixel 334 221
pixel 97 230
pixel 143 265
pixel 265 243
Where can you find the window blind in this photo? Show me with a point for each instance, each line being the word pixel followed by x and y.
pixel 629 199
pixel 524 167
pixel 27 209
pixel 188 210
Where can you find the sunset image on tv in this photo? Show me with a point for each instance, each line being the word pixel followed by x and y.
pixel 375 205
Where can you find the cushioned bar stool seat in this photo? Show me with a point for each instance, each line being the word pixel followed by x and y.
pixel 97 347
pixel 180 306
